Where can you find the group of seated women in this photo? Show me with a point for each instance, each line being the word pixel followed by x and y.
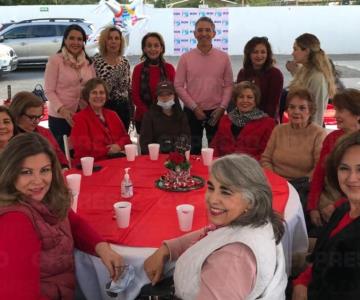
pixel 245 233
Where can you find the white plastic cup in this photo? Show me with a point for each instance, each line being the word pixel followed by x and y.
pixel 185 213
pixel 74 182
pixel 207 156
pixel 87 164
pixel 130 151
pixel 122 212
pixel 187 155
pixel 154 150
pixel 74 203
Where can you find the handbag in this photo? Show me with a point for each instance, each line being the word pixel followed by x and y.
pixel 39 91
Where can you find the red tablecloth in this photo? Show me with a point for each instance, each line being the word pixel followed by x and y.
pixel 153 215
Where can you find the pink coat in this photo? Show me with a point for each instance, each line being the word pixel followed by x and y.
pixel 63 84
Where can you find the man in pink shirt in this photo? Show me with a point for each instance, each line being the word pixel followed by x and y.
pixel 204 82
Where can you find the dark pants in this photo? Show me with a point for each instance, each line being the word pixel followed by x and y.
pixel 138 126
pixel 197 127
pixel 122 108
pixel 282 104
pixel 59 127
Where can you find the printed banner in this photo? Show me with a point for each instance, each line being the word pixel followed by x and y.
pixel 184 25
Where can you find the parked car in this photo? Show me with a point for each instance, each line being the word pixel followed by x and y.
pixel 4 25
pixel 8 59
pixel 36 39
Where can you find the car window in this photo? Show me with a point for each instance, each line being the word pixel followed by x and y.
pixel 38 31
pixel 61 29
pixel 20 32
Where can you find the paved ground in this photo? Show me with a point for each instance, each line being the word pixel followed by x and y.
pixel 26 79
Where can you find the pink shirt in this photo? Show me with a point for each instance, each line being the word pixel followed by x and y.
pixel 228 273
pixel 63 84
pixel 204 80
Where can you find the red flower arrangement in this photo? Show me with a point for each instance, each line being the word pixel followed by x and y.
pixel 177 162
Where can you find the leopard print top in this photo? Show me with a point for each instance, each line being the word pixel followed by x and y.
pixel 117 77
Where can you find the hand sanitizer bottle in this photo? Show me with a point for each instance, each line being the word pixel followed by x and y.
pixel 126 185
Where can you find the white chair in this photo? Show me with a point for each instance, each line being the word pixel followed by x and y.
pixel 67 149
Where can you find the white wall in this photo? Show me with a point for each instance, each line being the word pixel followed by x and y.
pixel 338 27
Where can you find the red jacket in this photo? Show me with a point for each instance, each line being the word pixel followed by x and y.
pixel 90 137
pixel 39 252
pixel 318 179
pixel 154 78
pixel 251 140
pixel 46 133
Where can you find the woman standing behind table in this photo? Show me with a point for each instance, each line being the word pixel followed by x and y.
pixel 28 109
pixel 294 148
pixel 322 196
pixel 65 75
pixel 111 66
pixel 259 69
pixel 312 70
pixel 334 271
pixel 147 74
pixel 165 121
pixel 238 256
pixel 97 131
pixel 7 127
pixel 246 129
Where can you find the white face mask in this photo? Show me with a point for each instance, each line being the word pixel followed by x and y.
pixel 166 105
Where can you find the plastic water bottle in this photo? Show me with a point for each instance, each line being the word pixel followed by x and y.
pixel 126 185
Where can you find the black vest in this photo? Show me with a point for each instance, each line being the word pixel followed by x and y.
pixel 336 261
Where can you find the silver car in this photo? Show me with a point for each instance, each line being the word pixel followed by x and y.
pixel 35 40
pixel 8 59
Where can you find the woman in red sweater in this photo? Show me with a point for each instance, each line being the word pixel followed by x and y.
pixel 28 110
pixel 97 131
pixel 259 69
pixel 147 74
pixel 246 129
pixel 322 195
pixel 38 230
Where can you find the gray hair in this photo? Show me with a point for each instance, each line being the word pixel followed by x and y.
pixel 244 174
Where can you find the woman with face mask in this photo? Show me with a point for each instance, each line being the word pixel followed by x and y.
pixel 164 121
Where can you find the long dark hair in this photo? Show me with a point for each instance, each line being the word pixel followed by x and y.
pixel 17 150
pixel 83 33
pixel 145 92
pixel 249 48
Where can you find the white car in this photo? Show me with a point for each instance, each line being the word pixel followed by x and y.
pixel 8 59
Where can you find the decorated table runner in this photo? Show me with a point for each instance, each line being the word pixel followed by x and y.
pixel 153 216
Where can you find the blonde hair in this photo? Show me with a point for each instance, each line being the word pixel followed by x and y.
pixel 104 35
pixel 317 60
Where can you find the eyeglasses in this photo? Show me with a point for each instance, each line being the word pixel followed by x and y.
pixel 34 118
